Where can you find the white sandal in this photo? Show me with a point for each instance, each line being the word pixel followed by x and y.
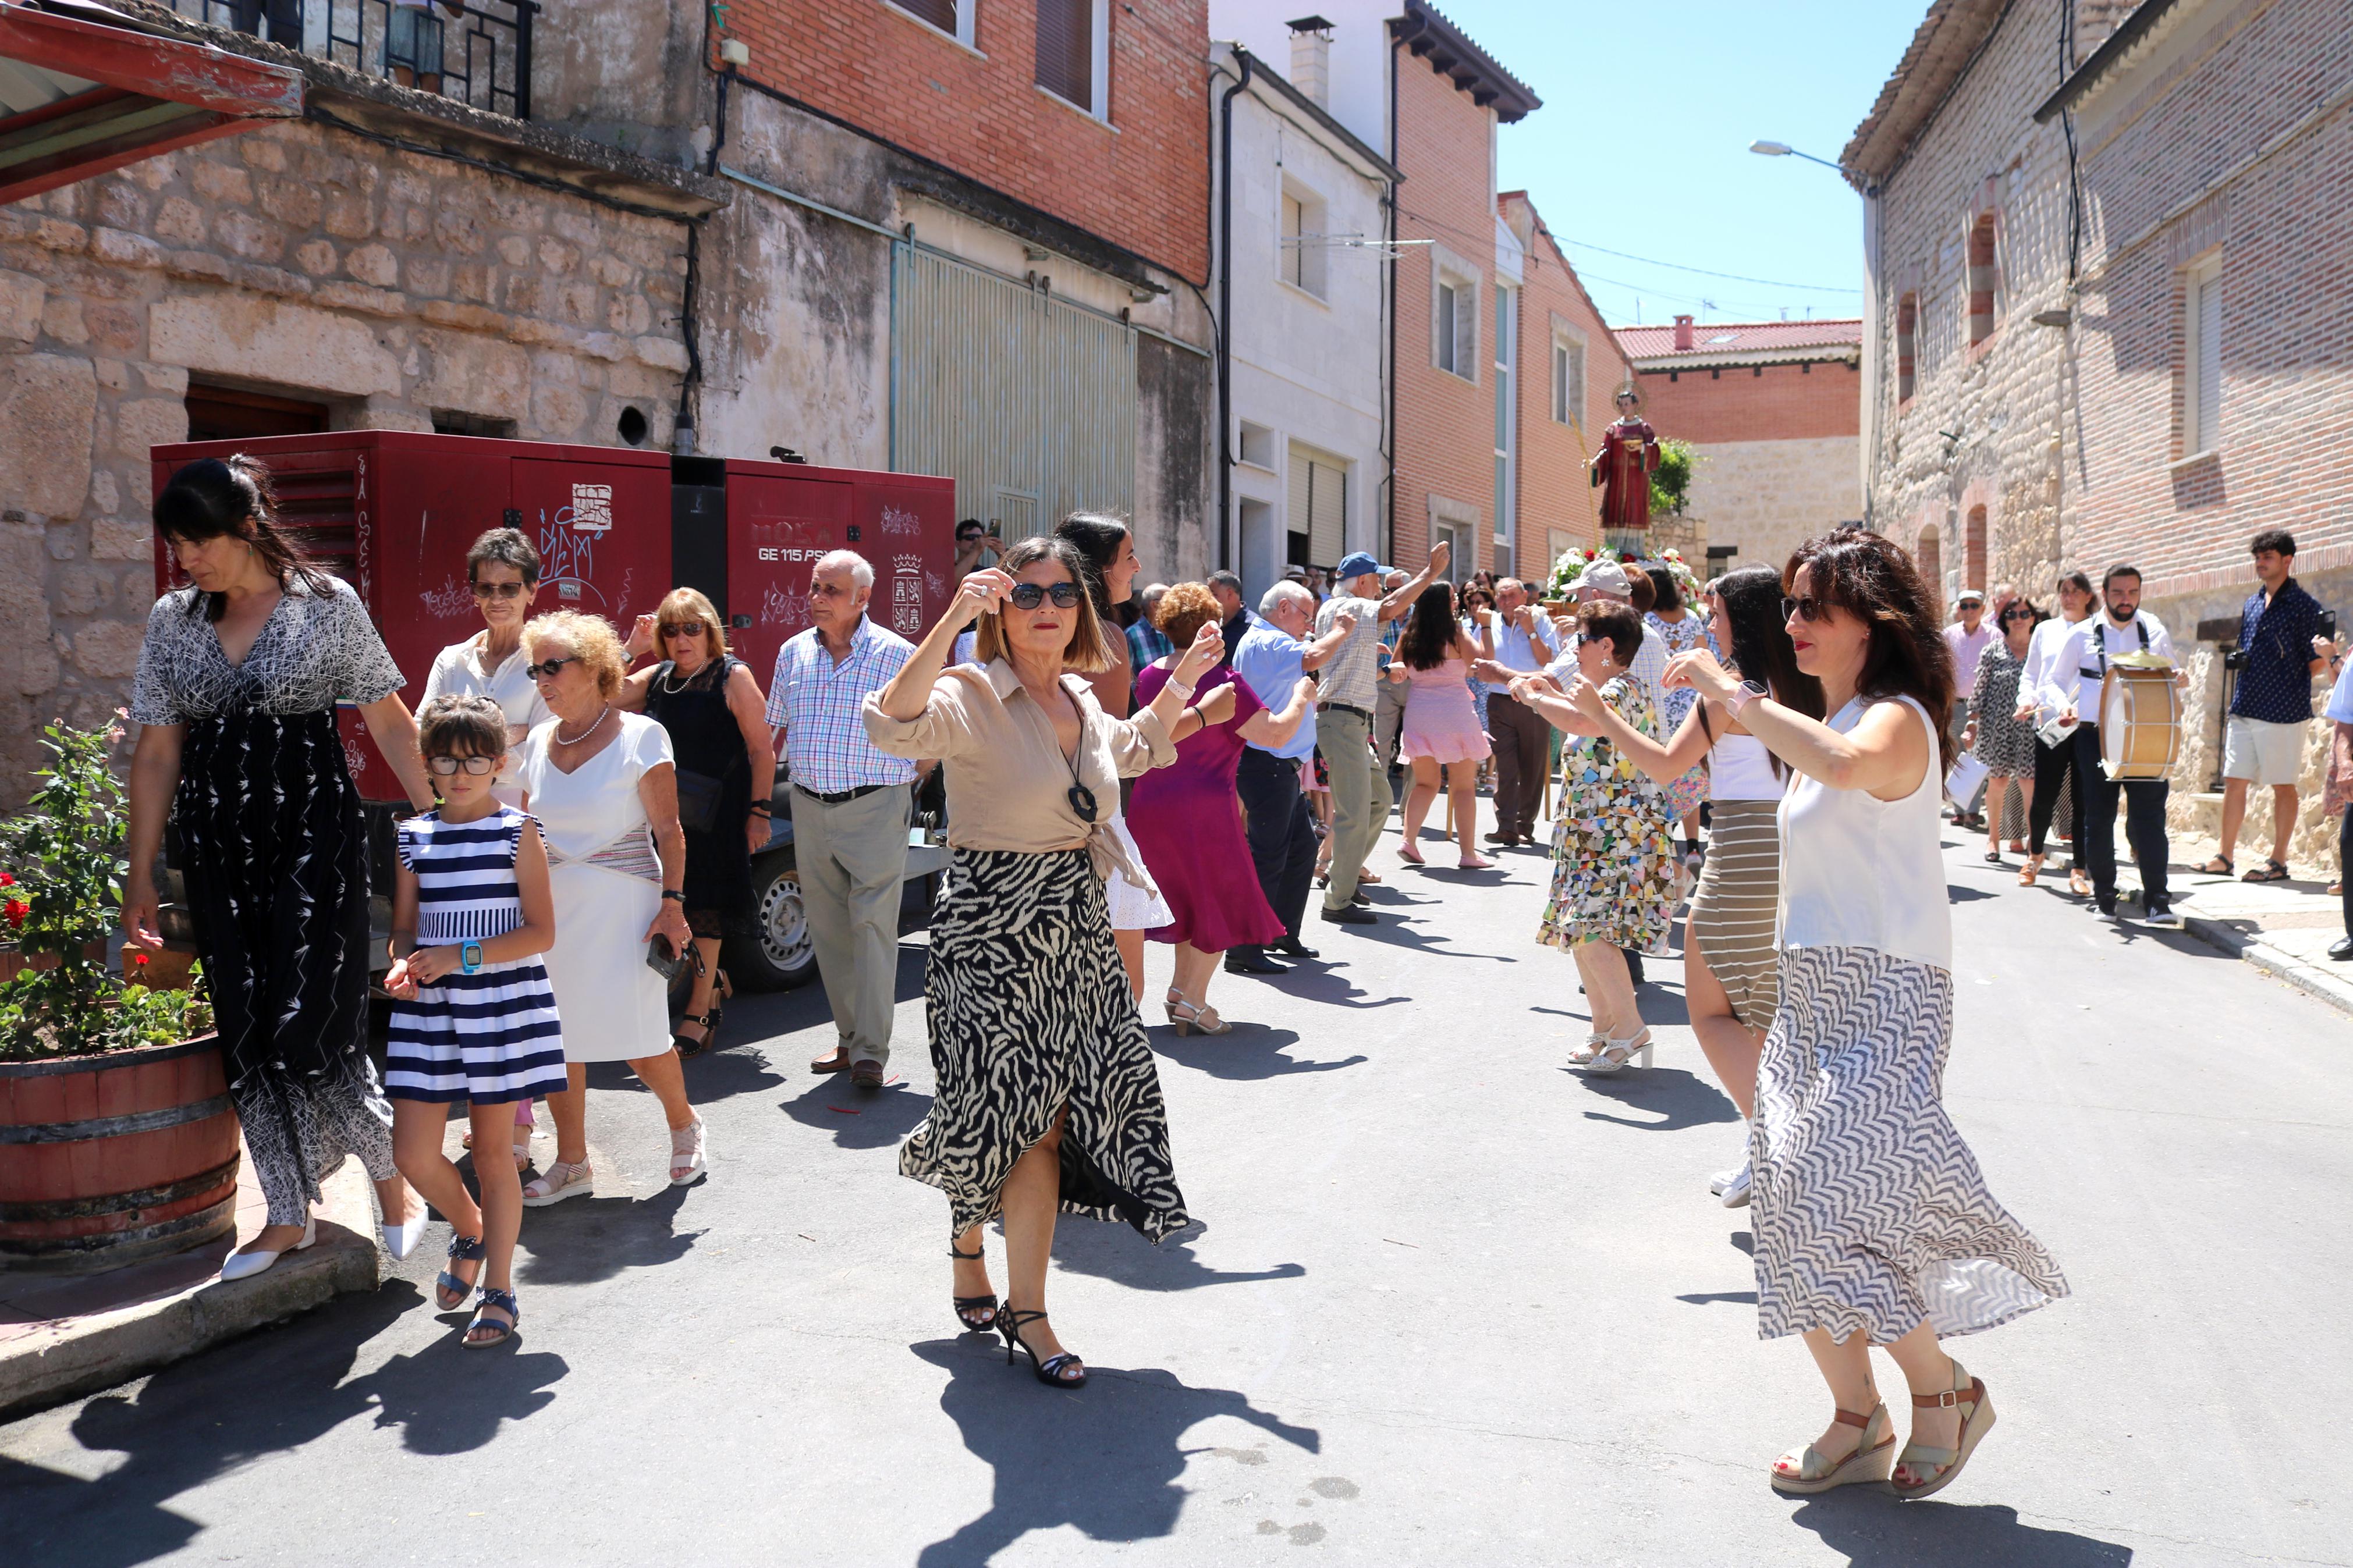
pixel 558 1181
pixel 1616 1053
pixel 686 1144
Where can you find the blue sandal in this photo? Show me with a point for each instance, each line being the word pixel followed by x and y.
pixel 504 1301
pixel 450 1292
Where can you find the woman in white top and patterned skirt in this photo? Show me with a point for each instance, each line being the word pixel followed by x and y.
pixel 605 790
pixel 1872 1223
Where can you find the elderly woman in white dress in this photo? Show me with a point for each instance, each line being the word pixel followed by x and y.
pixel 605 790
pixel 503 569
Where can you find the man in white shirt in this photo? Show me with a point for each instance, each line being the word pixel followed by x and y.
pixel 1967 638
pixel 2121 628
pixel 1525 642
pixel 2040 701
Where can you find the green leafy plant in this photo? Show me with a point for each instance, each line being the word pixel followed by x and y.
pixel 61 871
pixel 1670 482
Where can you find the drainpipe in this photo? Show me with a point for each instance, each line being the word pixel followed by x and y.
pixel 1225 311
pixel 1389 421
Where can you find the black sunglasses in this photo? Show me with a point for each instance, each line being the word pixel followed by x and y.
pixel 684 629
pixel 500 590
pixel 549 668
pixel 1029 596
pixel 1807 609
pixel 2010 616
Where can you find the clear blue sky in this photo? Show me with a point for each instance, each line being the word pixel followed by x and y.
pixel 1643 143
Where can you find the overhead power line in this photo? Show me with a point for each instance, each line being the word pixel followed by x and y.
pixel 1704 272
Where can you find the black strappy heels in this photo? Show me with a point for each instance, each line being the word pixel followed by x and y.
pixel 974 1304
pixel 1050 1369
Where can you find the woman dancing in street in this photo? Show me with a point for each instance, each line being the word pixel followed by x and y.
pixel 1046 1093
pixel 1442 736
pixel 1730 984
pixel 1615 877
pixel 1995 734
pixel 1872 1223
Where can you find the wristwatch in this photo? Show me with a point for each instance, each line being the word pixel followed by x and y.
pixel 1746 692
pixel 470 957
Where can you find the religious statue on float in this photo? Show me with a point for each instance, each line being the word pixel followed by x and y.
pixel 1622 468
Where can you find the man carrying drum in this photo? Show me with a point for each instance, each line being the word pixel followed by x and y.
pixel 2121 629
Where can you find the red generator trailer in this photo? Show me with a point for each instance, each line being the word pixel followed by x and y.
pixel 392 512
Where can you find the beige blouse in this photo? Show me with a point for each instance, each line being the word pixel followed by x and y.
pixel 1008 781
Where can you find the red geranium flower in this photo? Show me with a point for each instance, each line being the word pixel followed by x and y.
pixel 6 880
pixel 16 911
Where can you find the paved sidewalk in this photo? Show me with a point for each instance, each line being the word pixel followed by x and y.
pixel 63 1335
pixel 2284 929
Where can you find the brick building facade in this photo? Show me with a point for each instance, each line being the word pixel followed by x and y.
pixel 2106 311
pixel 1572 368
pixel 1772 410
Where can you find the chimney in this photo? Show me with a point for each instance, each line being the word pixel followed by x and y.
pixel 1683 334
pixel 1310 58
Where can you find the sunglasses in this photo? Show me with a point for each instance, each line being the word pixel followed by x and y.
pixel 1807 609
pixel 2017 615
pixel 684 629
pixel 1587 639
pixel 1029 596
pixel 447 766
pixel 500 590
pixel 546 669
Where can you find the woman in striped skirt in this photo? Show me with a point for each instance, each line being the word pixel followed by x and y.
pixel 473 1017
pixel 1730 963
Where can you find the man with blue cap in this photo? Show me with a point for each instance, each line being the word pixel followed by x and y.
pixel 1347 686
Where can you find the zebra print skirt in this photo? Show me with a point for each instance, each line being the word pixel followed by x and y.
pixel 1030 1013
pixel 1871 1215
pixel 1732 914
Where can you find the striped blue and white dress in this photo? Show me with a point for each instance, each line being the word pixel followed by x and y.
pixel 493 1035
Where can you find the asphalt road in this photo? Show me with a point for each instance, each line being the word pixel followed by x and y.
pixel 1450 1303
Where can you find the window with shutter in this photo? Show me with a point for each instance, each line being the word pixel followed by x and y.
pixel 1068 53
pixel 2206 356
pixel 1319 503
pixel 1466 330
pixel 1568 381
pixel 940 13
pixel 1292 230
pixel 1447 318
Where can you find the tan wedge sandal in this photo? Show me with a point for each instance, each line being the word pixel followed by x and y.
pixel 1807 1473
pixel 1940 1465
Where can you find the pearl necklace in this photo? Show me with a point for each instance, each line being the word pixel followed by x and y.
pixel 584 733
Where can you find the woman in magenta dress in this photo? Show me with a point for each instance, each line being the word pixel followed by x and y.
pixel 1441 722
pixel 1188 819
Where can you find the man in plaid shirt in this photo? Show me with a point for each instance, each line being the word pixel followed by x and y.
pixel 851 805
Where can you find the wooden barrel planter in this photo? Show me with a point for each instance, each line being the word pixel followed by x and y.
pixel 111 1160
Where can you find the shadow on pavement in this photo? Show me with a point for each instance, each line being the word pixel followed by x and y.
pixel 596 1238
pixel 197 1419
pixel 1249 1053
pixel 1708 1298
pixel 1675 1098
pixel 1106 1461
pixel 730 1071
pixel 1872 1526
pixel 858 1118
pixel 1322 982
pixel 1114 1252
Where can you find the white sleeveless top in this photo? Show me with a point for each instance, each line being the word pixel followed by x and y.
pixel 1858 871
pixel 1740 768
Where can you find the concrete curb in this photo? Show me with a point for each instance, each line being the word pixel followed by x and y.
pixel 2311 978
pixel 76 1355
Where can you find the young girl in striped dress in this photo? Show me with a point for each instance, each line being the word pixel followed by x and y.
pixel 473 1017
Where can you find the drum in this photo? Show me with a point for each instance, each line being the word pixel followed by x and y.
pixel 2140 721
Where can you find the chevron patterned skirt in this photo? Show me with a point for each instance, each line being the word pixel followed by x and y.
pixel 1871 1215
pixel 1030 1013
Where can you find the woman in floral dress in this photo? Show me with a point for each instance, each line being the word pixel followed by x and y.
pixel 1673 622
pixel 1615 880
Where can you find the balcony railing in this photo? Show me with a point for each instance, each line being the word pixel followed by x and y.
pixel 477 53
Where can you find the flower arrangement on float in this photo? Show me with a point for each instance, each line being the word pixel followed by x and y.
pixel 1573 562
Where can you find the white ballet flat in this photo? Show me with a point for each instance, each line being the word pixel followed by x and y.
pixel 245 1265
pixel 401 1239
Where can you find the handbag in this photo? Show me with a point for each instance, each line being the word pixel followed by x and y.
pixel 698 800
pixel 669 962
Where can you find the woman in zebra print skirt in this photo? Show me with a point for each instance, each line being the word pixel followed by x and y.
pixel 1731 980
pixel 1872 1223
pixel 1046 1092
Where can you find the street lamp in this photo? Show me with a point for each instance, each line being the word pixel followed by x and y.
pixel 1783 150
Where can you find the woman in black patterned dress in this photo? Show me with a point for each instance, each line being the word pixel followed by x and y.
pixel 237 689
pixel 1046 1091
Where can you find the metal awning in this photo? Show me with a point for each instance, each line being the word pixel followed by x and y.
pixel 84 89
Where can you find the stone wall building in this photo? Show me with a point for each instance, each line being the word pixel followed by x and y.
pixel 1772 412
pixel 397 259
pixel 2105 321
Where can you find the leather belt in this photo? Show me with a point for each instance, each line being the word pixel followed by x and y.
pixel 848 795
pixel 1343 708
